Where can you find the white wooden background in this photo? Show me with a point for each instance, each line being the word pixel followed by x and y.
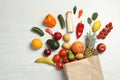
pixel 17 18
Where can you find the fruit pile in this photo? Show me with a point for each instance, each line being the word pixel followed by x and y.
pixel 70 51
pixel 67 55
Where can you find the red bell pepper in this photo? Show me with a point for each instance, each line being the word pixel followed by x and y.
pixel 79 30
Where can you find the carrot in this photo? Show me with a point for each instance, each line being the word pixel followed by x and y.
pixel 80 13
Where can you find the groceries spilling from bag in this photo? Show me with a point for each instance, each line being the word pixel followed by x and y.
pixel 72 55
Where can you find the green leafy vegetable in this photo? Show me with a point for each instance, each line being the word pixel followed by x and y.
pixel 89 20
pixel 94 16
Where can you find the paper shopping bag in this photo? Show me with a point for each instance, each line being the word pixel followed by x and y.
pixel 85 69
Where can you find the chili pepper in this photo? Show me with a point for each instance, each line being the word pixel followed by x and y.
pixel 79 30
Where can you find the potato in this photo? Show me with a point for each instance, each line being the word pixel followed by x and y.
pixel 66 37
pixel 79 56
pixel 66 45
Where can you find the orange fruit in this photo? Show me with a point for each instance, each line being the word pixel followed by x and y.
pixel 37 43
pixel 77 47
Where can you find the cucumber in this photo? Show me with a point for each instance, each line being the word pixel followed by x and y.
pixel 62 21
pixel 38 30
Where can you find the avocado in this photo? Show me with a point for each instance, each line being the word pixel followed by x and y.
pixel 53 44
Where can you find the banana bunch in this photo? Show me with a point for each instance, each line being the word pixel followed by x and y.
pixel 45 60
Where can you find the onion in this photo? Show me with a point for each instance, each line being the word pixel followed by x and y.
pixel 47 52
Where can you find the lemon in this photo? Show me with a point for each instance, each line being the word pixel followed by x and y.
pixel 96 26
pixel 37 43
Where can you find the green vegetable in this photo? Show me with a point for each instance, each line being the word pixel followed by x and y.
pixel 89 20
pixel 62 21
pixel 53 44
pixel 94 16
pixel 74 9
pixel 38 30
pixel 71 56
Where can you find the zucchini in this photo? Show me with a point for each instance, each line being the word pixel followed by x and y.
pixel 38 30
pixel 62 21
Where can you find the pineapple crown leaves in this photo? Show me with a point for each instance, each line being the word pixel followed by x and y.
pixel 90 39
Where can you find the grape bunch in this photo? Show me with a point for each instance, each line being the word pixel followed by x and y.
pixel 105 31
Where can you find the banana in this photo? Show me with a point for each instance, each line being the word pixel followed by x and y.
pixel 45 60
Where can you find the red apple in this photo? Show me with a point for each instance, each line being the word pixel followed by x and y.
pixel 101 47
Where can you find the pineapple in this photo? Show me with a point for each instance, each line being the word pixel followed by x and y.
pixel 90 43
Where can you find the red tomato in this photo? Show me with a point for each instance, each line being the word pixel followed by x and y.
pixel 57 35
pixel 59 65
pixel 56 58
pixel 104 30
pixel 63 52
pixel 99 36
pixel 110 24
pixel 104 36
pixel 65 60
pixel 75 59
pixel 108 30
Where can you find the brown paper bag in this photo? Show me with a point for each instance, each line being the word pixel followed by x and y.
pixel 85 69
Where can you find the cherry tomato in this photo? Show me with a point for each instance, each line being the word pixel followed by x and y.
pixel 56 58
pixel 65 60
pixel 59 65
pixel 107 26
pixel 110 24
pixel 99 36
pixel 63 52
pixel 103 36
pixel 109 30
pixel 111 27
pixel 103 30
pixel 75 59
